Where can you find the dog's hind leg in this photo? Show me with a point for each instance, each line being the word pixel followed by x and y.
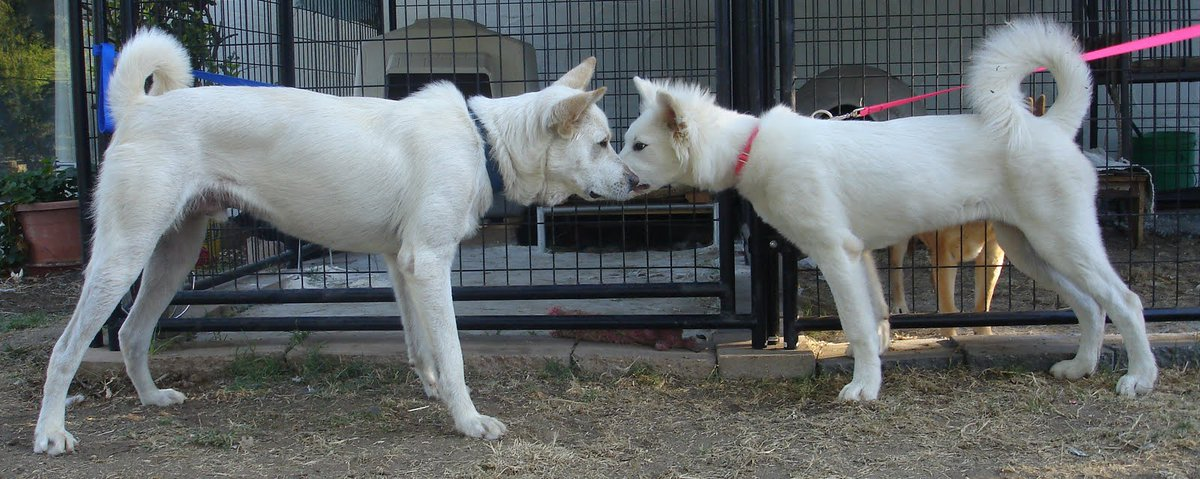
pixel 944 257
pixel 988 265
pixel 416 337
pixel 878 303
pixel 1089 313
pixel 1074 247
pixel 426 275
pixel 168 267
pixel 117 258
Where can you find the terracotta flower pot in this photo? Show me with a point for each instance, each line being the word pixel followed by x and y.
pixel 52 231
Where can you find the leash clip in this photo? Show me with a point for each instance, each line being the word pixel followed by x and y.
pixel 827 115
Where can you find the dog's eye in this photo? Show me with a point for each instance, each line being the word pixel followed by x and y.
pixel 639 146
pixel 603 143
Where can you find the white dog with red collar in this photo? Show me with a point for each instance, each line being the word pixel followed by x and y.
pixel 839 189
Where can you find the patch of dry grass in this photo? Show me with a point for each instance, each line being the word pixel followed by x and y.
pixel 317 416
pixel 641 423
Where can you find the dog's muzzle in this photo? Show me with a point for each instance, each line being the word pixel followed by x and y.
pixel 635 183
pixel 631 181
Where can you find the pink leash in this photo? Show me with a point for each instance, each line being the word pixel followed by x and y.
pixel 1186 33
pixel 873 109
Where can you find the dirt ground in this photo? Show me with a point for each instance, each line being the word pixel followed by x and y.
pixel 322 417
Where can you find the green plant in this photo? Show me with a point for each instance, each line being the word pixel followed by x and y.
pixel 42 181
pixel 13 322
pixel 294 341
pixel 190 21
pixel 252 371
pixel 26 81
pixel 214 438
pixel 556 370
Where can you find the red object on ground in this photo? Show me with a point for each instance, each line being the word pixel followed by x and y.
pixel 661 339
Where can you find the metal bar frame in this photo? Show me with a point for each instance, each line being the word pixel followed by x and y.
pixel 466 323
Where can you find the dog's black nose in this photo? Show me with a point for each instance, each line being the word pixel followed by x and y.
pixel 633 180
pixel 635 183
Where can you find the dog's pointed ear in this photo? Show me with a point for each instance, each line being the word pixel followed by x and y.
pixel 579 76
pixel 567 114
pixel 671 115
pixel 645 88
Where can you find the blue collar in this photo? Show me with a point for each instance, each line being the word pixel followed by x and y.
pixel 493 168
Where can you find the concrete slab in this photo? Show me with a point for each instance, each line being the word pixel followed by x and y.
pixel 604 358
pixel 1028 353
pixel 738 360
pixel 209 355
pixel 1171 350
pixel 924 353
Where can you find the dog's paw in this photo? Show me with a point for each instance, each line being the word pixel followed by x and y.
pixel 1133 384
pixel 900 309
pixel 1073 369
pixel 53 442
pixel 483 427
pixel 163 397
pixel 859 390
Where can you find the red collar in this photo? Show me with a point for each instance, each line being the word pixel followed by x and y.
pixel 744 156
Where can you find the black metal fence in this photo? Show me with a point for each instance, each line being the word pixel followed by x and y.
pixel 1144 109
pixel 661 253
pixel 670 258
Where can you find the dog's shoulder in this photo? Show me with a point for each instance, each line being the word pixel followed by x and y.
pixel 779 112
pixel 440 91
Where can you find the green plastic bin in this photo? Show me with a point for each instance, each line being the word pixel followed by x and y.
pixel 1170 156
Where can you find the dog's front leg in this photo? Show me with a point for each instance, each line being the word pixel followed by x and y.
pixel 846 270
pixel 896 255
pixel 426 277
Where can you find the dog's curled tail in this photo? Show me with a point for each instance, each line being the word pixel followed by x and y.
pixel 1011 54
pixel 150 52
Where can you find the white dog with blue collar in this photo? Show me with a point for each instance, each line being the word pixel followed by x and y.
pixel 403 179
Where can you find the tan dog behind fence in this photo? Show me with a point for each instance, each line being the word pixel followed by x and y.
pixel 948 247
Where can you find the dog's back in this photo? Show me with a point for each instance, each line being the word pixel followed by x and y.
pixel 230 146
